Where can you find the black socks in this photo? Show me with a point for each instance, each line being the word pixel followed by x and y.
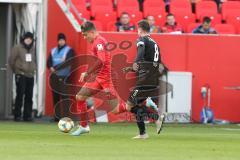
pixel 142 113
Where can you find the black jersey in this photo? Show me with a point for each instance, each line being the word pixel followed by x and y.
pixel 148 59
pixel 148 50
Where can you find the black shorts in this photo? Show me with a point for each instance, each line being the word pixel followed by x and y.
pixel 147 84
pixel 140 94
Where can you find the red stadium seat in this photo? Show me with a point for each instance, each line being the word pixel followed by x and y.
pixel 80 5
pixel 105 18
pixel 180 6
pixel 206 7
pixel 185 19
pixel 127 5
pixel 192 26
pixel 135 15
pixel 229 7
pixel 152 3
pixel 98 25
pixel 131 7
pixel 79 2
pixel 233 18
pixel 215 17
pixel 160 19
pixel 153 8
pixel 82 12
pixel 101 6
pixel 225 29
pixel 111 26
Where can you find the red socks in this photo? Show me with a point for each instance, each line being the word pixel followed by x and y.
pixel 82 108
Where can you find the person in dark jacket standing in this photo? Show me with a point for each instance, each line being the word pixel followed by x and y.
pixel 58 56
pixel 23 63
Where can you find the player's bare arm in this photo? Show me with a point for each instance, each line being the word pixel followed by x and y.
pixel 90 70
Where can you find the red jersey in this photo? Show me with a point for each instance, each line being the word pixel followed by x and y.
pixel 103 77
pixel 99 50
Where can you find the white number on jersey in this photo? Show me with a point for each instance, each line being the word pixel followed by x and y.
pixel 156 55
pixel 99 47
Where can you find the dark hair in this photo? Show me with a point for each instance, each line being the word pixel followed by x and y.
pixel 144 25
pixel 88 26
pixel 28 35
pixel 170 14
pixel 206 19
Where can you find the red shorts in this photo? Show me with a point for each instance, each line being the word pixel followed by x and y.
pixel 101 85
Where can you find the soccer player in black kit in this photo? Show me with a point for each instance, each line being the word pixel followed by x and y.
pixel 146 66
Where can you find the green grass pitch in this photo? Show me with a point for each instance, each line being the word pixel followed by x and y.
pixel 43 141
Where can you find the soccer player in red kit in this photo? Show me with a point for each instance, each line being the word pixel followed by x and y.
pixel 102 69
pixel 102 82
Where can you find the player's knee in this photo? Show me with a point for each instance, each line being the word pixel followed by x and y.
pixel 80 97
pixel 115 111
pixel 129 106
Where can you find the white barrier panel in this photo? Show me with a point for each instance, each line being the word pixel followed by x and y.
pixel 179 101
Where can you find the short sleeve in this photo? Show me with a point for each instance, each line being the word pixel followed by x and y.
pixel 100 49
pixel 140 42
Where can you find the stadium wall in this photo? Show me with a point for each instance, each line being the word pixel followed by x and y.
pixel 213 60
pixel 58 22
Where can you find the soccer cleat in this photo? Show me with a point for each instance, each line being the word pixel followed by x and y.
pixel 144 136
pixel 159 123
pixel 150 103
pixel 81 130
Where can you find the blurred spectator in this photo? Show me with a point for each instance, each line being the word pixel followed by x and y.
pixel 114 3
pixel 140 4
pixel 167 5
pixel 205 27
pixel 218 2
pixel 58 56
pixel 171 26
pixel 153 27
pixel 124 25
pixel 23 63
pixel 193 3
pixel 88 4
